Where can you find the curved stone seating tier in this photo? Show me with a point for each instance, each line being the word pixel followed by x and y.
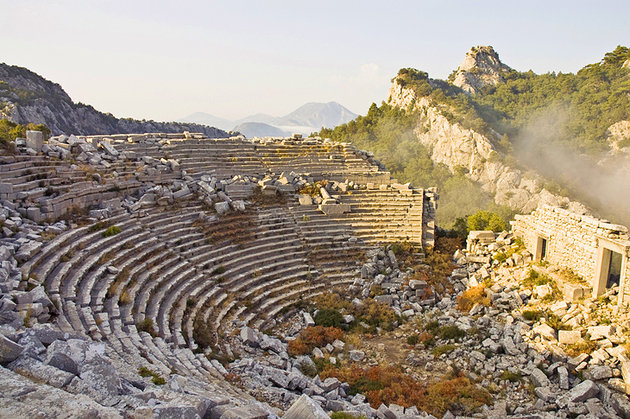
pixel 225 158
pixel 175 274
pixel 384 215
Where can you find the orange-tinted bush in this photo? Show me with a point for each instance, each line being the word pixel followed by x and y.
pixel 311 337
pixel 459 395
pixel 376 314
pixel 472 296
pixel 390 385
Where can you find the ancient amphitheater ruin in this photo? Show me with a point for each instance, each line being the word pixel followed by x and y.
pixel 187 239
pixel 166 276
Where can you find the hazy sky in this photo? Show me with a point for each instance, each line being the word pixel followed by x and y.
pixel 163 60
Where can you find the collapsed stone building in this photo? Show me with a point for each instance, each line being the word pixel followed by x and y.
pixel 597 250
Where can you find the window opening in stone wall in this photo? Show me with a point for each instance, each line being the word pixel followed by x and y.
pixel 614 269
pixel 541 249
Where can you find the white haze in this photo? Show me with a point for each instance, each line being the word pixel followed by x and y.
pixel 602 183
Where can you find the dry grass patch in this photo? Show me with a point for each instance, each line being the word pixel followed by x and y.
pixel 472 296
pixel 390 385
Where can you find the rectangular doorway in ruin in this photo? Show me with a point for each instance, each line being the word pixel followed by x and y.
pixel 610 268
pixel 613 270
pixel 541 248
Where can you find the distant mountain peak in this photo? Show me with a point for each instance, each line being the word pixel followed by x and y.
pixel 481 67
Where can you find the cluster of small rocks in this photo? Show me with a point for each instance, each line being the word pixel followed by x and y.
pixel 407 297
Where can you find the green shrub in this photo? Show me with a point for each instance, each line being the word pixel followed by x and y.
pixel 328 317
pixel 146 325
pixel 450 332
pixel 412 340
pixel 158 380
pixel 111 231
pixel 486 220
pixel 218 270
pixel 511 376
pixel 442 349
pixel 98 226
pixel 532 315
pixel 535 279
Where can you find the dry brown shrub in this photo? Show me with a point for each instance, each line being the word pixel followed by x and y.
pixel 472 296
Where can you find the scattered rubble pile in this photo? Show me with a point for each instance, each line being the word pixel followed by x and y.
pixel 574 352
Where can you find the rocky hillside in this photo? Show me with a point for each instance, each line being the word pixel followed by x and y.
pixel 455 146
pixel 523 138
pixel 26 97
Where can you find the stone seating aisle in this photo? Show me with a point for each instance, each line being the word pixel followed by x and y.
pixel 384 215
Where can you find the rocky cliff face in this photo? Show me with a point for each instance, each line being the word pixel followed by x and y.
pixel 481 67
pixel 618 137
pixel 456 146
pixel 27 97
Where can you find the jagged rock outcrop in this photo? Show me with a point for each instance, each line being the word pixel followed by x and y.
pixel 481 67
pixel 26 97
pixel 455 146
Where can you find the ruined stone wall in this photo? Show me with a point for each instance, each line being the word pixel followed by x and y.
pixel 575 241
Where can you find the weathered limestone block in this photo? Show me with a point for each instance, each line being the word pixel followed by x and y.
pixel 222 207
pixel 545 331
pixel 601 332
pixel 573 292
pixel 305 407
pixel 34 140
pixel 40 371
pixel 569 337
pixel 305 200
pixel 539 379
pixel 334 209
pixel 583 391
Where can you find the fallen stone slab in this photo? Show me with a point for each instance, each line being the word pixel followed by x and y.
pixel 222 207
pixel 357 355
pixel 21 398
pixel 305 407
pixel 539 379
pixel 9 350
pixel 599 372
pixel 545 331
pixel 583 391
pixel 37 370
pixel 569 337
pixel 249 337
